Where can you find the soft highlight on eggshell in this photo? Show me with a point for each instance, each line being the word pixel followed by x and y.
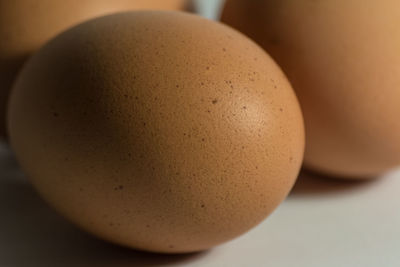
pixel 161 131
pixel 342 58
pixel 25 25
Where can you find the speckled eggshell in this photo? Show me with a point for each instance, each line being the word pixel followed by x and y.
pixel 343 59
pixel 161 131
pixel 25 25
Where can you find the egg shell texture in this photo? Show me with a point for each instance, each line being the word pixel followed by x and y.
pixel 161 131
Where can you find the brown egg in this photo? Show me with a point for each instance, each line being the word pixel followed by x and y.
pixel 342 57
pixel 25 25
pixel 161 131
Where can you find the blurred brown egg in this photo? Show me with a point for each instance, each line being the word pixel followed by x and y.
pixel 342 57
pixel 25 25
pixel 157 130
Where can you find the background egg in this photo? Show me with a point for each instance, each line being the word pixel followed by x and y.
pixel 343 60
pixel 25 25
pixel 161 131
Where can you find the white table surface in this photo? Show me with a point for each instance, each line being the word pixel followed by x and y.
pixel 323 223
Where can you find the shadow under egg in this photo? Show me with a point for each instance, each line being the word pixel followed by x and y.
pixel 315 184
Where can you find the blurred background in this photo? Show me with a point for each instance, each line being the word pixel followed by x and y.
pixel 324 222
